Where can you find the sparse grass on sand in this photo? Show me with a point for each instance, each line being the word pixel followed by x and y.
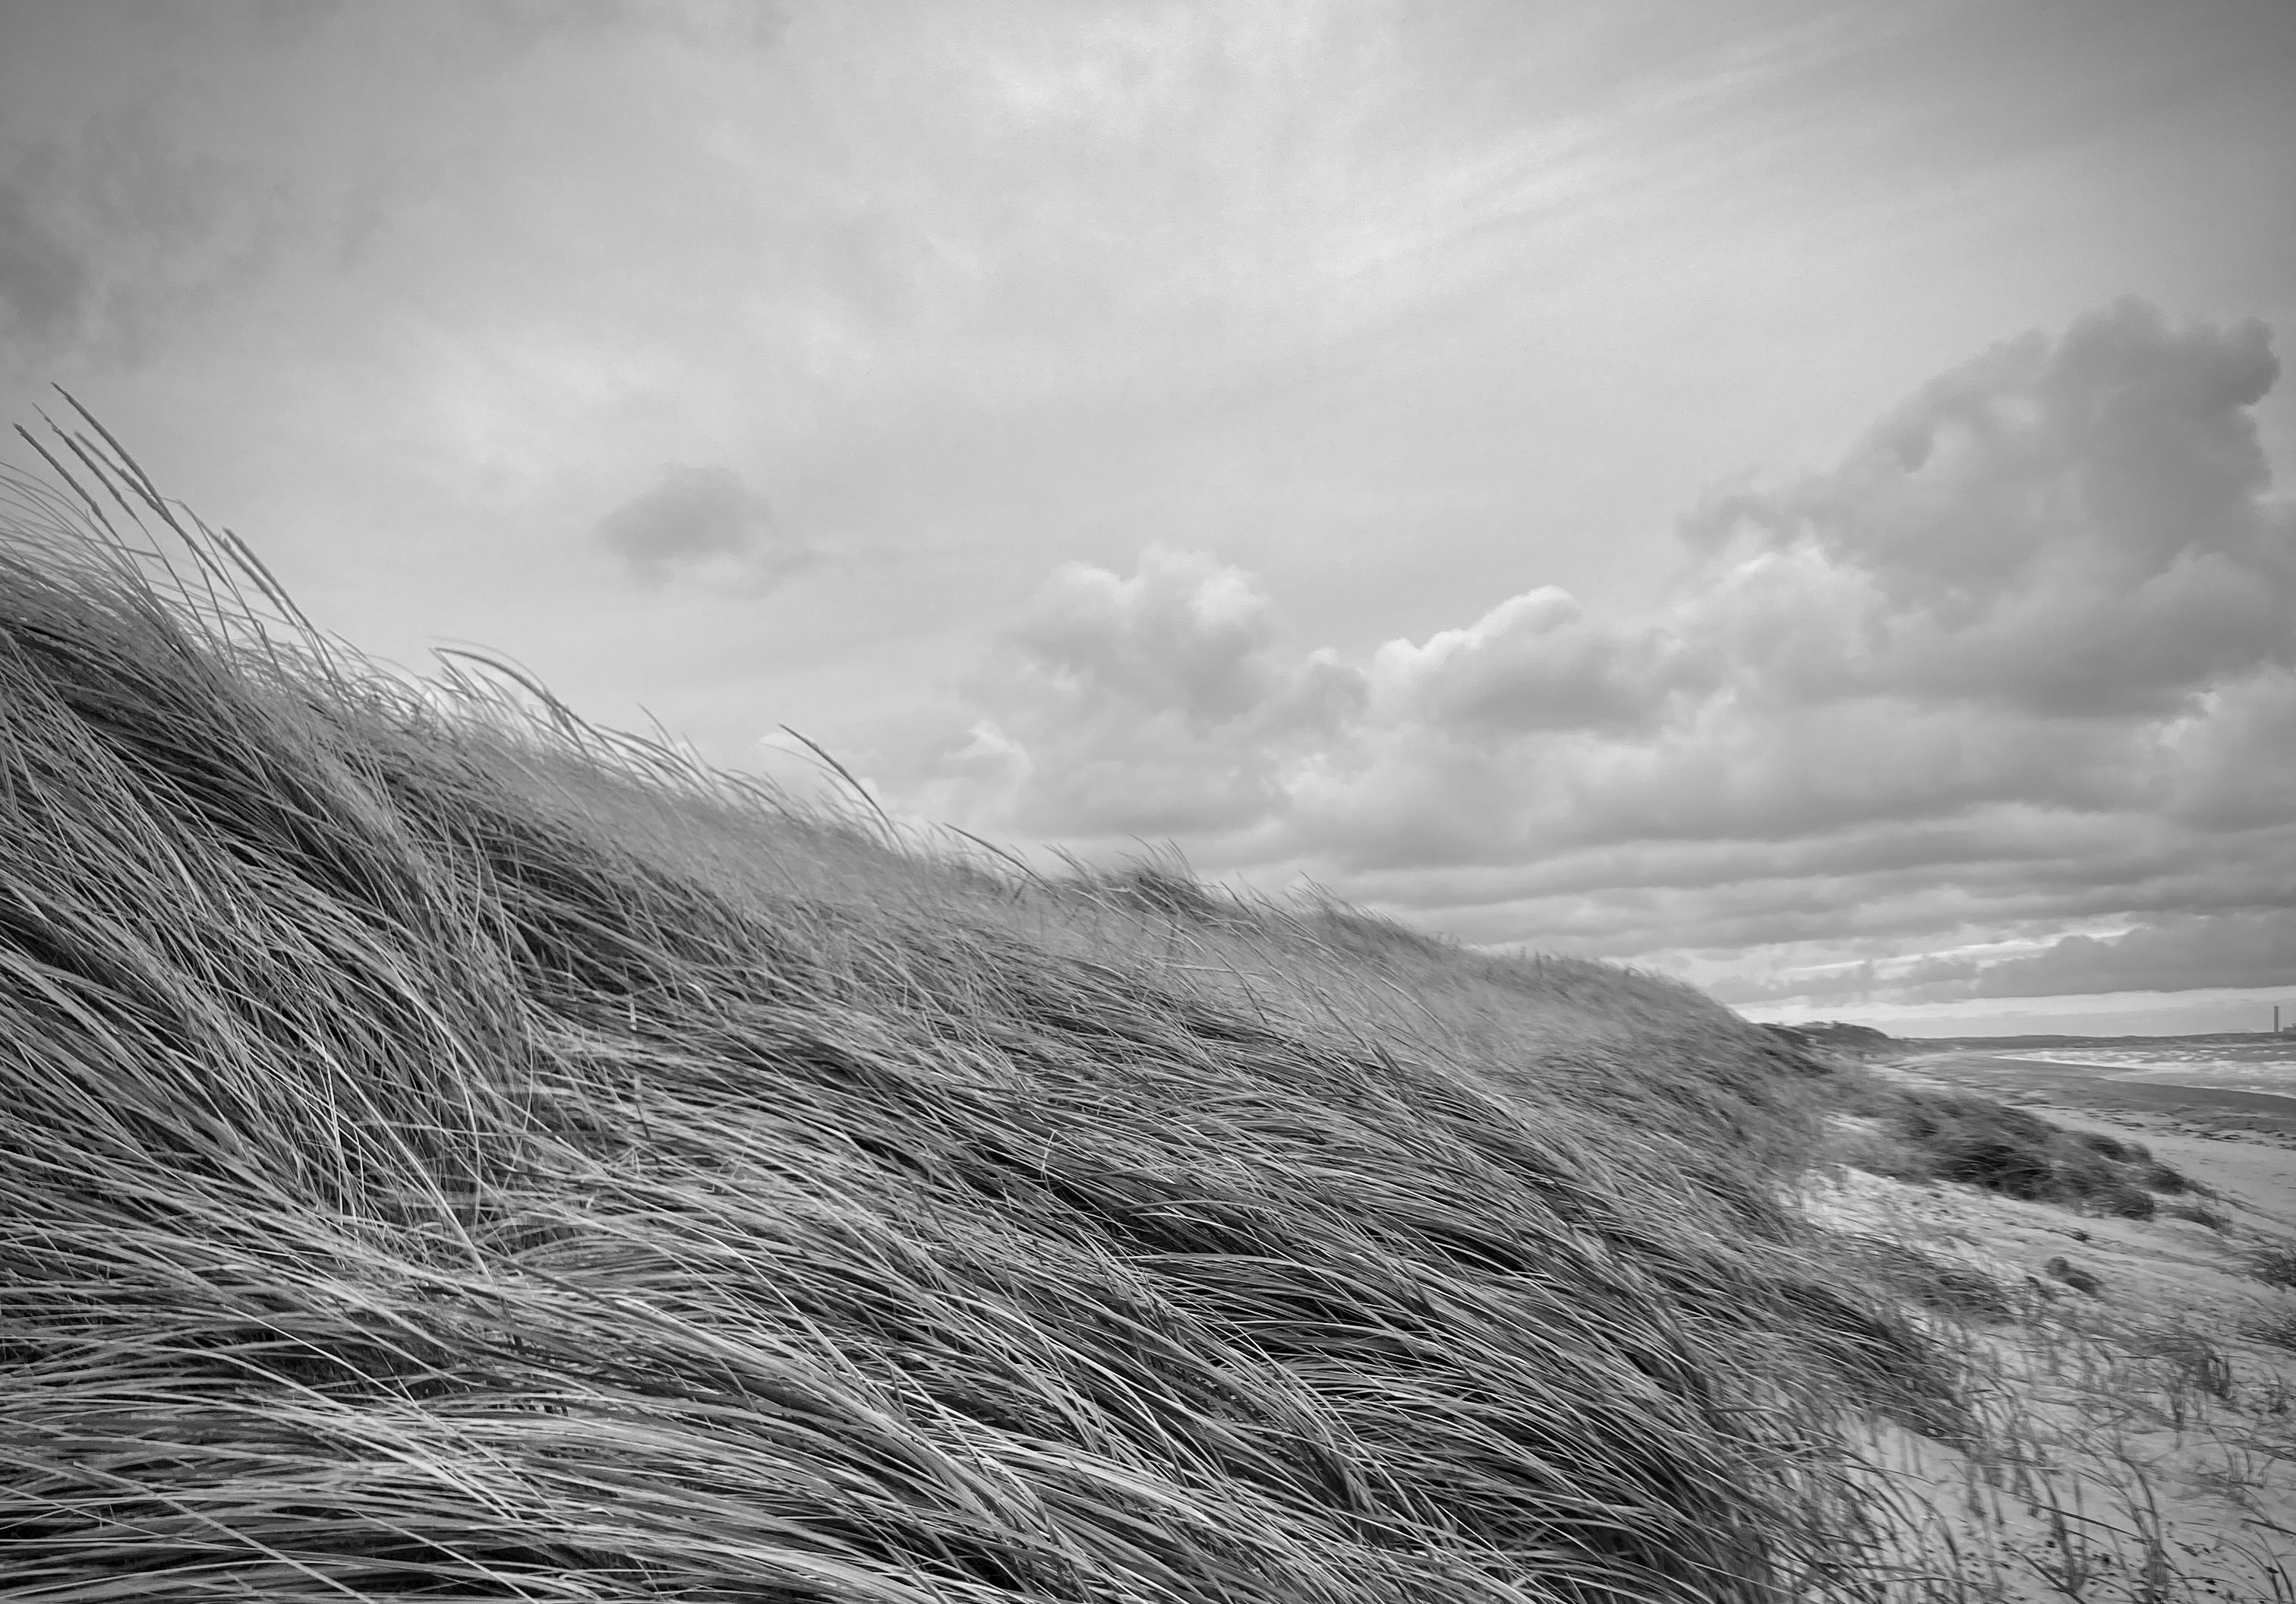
pixel 2135 1399
pixel 455 1153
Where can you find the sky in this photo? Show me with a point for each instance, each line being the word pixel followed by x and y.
pixel 1794 496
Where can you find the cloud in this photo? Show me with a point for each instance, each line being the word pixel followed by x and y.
pixel 2023 661
pixel 1535 663
pixel 43 282
pixel 707 526
pixel 1154 703
pixel 499 31
pixel 2249 950
pixel 2254 949
pixel 212 150
pixel 113 237
pixel 1854 983
pixel 1058 280
pixel 1183 634
pixel 2233 768
pixel 2075 527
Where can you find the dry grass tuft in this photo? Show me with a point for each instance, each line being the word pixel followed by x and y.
pixel 2273 1265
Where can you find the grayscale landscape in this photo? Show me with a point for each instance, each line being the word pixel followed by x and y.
pixel 1074 803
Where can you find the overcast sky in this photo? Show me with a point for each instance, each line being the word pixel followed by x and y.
pixel 1792 495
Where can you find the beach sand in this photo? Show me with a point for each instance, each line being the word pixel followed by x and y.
pixel 2240 1143
pixel 2151 1422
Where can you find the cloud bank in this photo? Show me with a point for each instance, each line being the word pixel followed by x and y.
pixel 2022 664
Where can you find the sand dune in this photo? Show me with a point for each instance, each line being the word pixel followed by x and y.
pixel 2145 1427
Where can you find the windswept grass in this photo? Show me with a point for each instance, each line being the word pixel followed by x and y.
pixel 1920 1135
pixel 2273 1263
pixel 455 1153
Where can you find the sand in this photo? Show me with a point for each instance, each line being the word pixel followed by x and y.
pixel 2147 1430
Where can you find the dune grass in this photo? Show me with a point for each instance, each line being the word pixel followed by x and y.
pixel 455 1153
pixel 1921 1135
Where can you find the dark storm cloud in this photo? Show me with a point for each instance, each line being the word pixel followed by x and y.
pixel 707 525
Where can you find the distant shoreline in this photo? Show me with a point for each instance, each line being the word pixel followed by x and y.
pixel 2084 1086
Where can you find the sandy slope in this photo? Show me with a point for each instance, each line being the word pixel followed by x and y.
pixel 2148 1436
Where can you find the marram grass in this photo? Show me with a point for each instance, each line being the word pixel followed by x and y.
pixel 450 1153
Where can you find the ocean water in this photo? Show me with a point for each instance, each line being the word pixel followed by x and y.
pixel 2264 1065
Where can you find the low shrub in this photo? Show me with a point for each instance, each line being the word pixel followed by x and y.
pixel 1976 1141
pixel 2011 1168
pixel 2086 1173
pixel 2121 1200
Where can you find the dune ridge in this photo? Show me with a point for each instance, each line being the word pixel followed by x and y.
pixel 455 1152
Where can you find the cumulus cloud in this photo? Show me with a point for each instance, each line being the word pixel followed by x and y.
pixel 705 525
pixel 1153 703
pixel 2077 527
pixel 1535 663
pixel 1183 635
pixel 2024 661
